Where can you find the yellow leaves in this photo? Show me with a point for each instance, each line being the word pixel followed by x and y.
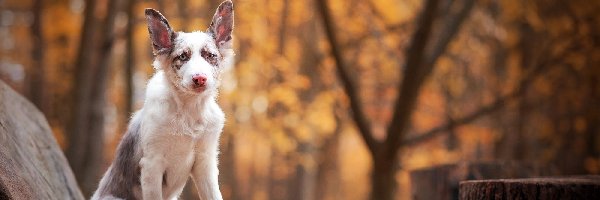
pixel 276 101
pixel 281 142
pixel 356 161
pixel 320 115
pixel 394 12
pixel 303 133
pixel 284 95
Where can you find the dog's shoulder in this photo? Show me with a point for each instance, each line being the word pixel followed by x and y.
pixel 157 88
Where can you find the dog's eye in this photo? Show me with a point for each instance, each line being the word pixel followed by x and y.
pixel 183 57
pixel 208 56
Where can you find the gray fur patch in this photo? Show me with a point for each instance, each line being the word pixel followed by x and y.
pixel 124 174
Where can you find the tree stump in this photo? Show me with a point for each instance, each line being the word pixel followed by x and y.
pixel 441 182
pixel 32 166
pixel 563 188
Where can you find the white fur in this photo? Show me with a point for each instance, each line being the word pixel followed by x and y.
pixel 180 130
pixel 180 127
pixel 176 134
pixel 179 135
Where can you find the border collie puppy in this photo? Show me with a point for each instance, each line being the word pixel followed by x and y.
pixel 176 133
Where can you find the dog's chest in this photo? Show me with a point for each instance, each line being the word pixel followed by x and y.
pixel 179 138
pixel 198 123
pixel 179 160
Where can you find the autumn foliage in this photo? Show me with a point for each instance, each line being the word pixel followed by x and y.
pixel 327 97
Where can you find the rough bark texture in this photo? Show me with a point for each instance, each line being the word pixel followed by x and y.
pixel 441 182
pixel 32 166
pixel 563 188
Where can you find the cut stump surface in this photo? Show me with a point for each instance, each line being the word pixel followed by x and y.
pixel 563 188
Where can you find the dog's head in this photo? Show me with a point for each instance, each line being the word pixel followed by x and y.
pixel 193 62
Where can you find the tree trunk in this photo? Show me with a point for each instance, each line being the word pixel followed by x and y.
pixel 566 188
pixel 86 137
pixel 36 86
pixel 130 59
pixel 95 142
pixel 77 135
pixel 383 179
pixel 32 166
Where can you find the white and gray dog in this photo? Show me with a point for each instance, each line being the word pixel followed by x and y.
pixel 176 133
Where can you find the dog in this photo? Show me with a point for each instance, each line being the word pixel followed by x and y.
pixel 176 133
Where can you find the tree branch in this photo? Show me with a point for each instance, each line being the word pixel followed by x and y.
pixel 359 39
pixel 492 107
pixel 496 105
pixel 418 69
pixel 350 88
pixel 448 33
pixel 412 81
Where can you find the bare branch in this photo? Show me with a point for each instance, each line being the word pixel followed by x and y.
pixel 350 88
pixel 412 81
pixel 449 31
pixel 359 39
pixel 490 108
pixel 283 27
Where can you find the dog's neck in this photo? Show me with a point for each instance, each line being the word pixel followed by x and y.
pixel 187 112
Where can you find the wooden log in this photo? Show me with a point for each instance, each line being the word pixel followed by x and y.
pixel 563 188
pixel 32 166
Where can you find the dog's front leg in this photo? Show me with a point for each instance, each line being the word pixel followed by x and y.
pixel 152 170
pixel 205 174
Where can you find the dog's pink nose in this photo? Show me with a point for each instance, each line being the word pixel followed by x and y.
pixel 199 79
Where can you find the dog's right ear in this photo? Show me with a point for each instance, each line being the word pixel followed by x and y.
pixel 221 25
pixel 161 34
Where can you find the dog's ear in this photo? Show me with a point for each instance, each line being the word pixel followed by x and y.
pixel 161 34
pixel 221 25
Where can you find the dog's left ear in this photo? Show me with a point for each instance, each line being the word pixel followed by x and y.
pixel 222 25
pixel 161 34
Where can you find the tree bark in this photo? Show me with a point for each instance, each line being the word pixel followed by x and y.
pixel 441 182
pixel 283 27
pixel 130 59
pixel 565 188
pixel 32 165
pixel 77 135
pixel 95 142
pixel 86 137
pixel 383 179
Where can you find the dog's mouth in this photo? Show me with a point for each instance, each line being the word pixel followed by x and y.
pixel 198 88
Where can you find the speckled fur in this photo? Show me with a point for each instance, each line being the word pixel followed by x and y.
pixel 176 133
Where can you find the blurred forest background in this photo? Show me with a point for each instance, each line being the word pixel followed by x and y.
pixel 330 99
